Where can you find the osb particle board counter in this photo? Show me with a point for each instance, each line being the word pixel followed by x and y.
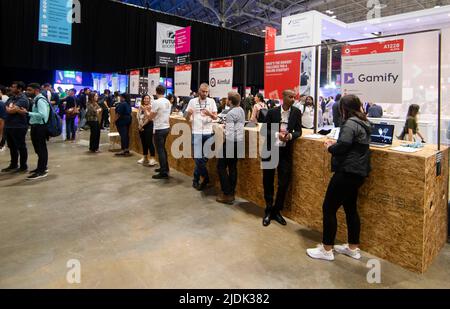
pixel 402 205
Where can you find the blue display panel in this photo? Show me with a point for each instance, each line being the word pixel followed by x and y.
pixel 54 24
pixel 68 77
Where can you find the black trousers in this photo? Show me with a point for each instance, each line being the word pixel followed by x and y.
pixel 284 178
pixel 39 140
pixel 17 146
pixel 147 140
pixel 70 128
pixel 94 138
pixel 3 140
pixel 342 191
pixel 227 170
pixel 105 118
pixel 124 137
pixel 160 144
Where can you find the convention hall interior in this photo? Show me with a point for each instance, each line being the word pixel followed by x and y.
pixel 224 144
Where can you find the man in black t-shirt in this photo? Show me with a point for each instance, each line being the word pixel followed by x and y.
pixel 16 127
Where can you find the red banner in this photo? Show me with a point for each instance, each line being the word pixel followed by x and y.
pixel 373 48
pixel 154 71
pixel 135 72
pixel 281 72
pixel 271 34
pixel 182 68
pixel 221 64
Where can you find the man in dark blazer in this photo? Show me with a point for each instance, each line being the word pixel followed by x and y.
pixel 286 123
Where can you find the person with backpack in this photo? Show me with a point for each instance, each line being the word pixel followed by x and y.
pixel 351 166
pixel 39 135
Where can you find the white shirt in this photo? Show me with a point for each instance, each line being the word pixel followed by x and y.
pixel 162 108
pixel 202 124
pixel 283 126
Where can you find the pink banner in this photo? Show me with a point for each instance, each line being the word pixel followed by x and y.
pixel 183 41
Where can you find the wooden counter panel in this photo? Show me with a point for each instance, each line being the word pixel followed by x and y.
pixel 397 223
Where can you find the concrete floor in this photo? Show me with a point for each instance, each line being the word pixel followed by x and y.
pixel 129 231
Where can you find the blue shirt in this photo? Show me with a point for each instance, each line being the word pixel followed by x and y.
pixel 2 110
pixel 17 121
pixel 123 109
pixel 375 111
pixel 41 110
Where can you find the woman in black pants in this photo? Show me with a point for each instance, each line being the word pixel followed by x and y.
pixel 351 165
pixel 93 108
pixel 146 131
pixel 123 122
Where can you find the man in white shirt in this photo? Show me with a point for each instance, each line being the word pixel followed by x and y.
pixel 160 115
pixel 203 111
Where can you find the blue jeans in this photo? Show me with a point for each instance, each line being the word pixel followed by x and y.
pixel 200 159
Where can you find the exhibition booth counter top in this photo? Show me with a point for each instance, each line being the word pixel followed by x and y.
pixel 402 205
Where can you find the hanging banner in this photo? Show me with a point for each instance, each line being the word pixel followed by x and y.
pixel 301 30
pixel 153 80
pixel 271 34
pixel 103 83
pixel 220 78
pixel 183 45
pixel 55 24
pixel 374 71
pixel 183 80
pixel 165 43
pixel 134 82
pixel 281 72
pixel 115 82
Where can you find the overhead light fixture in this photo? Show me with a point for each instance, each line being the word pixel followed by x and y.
pixel 264 30
pixel 390 25
pixel 418 19
pixel 334 16
pixel 329 12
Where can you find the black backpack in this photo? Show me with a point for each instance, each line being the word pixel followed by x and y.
pixel 54 122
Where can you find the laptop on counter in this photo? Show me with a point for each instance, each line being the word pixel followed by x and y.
pixel 382 135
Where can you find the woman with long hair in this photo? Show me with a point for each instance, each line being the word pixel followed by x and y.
pixel 411 128
pixel 259 110
pixel 351 165
pixel 93 108
pixel 308 114
pixel 146 131
pixel 123 122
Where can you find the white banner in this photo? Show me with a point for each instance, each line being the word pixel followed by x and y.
pixel 220 78
pixel 183 80
pixel 301 30
pixel 153 80
pixel 165 43
pixel 134 82
pixel 115 83
pixel 374 71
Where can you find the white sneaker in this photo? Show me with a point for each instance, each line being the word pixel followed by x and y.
pixel 345 249
pixel 141 161
pixel 320 253
pixel 152 162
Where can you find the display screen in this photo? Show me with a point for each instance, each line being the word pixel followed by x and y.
pixel 68 77
pixel 166 82
pixel 382 134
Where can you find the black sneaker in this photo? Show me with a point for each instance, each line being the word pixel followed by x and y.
pixel 35 171
pixel 9 169
pixel 21 170
pixel 195 185
pixel 160 176
pixel 157 170
pixel 37 176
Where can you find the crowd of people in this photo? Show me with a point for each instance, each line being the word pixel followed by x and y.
pixel 23 107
